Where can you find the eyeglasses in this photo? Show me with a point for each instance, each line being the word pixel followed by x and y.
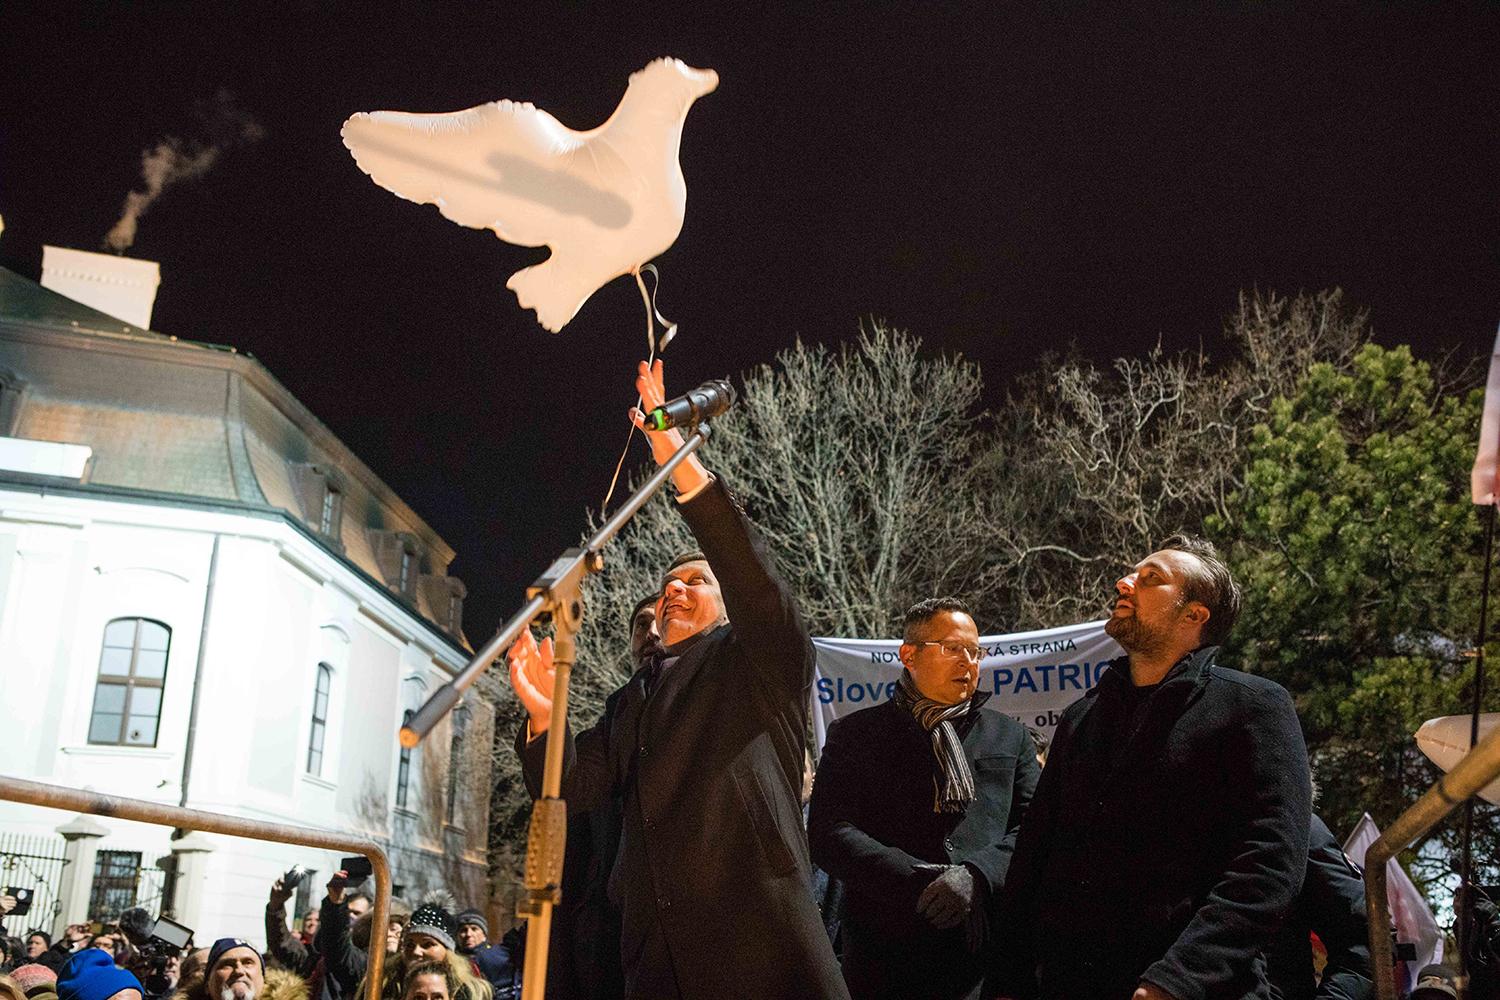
pixel 955 649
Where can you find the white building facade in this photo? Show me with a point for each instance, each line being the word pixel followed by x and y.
pixel 206 600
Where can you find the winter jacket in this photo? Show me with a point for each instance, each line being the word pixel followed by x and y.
pixel 341 964
pixel 871 824
pixel 286 947
pixel 714 874
pixel 1169 853
pixel 1331 905
pixel 280 985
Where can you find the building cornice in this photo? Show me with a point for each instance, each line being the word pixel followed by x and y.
pixel 173 350
pixel 416 623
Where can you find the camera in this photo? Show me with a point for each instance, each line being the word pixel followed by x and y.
pixel 159 941
pixel 22 897
pixel 356 869
pixel 295 876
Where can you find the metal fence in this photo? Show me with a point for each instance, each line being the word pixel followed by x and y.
pixel 34 863
pixel 36 793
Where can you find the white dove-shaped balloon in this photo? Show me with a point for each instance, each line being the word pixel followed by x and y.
pixel 606 201
pixel 1445 741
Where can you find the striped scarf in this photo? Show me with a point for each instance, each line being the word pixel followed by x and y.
pixel 957 789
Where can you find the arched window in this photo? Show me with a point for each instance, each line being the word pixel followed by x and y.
pixel 403 768
pixel 319 729
pixel 132 673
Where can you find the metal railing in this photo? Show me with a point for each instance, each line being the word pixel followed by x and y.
pixel 1477 769
pixel 37 793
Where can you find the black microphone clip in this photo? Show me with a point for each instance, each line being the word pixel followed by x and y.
pixel 691 408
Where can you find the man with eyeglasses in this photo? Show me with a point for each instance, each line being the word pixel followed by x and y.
pixel 916 807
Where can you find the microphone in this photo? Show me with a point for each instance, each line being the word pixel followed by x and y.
pixel 708 400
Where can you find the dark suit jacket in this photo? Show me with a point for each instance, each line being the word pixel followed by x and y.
pixel 871 823
pixel 1332 905
pixel 717 757
pixel 1171 853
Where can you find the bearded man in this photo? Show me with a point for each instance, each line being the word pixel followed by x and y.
pixel 1168 836
pixel 915 808
pixel 702 749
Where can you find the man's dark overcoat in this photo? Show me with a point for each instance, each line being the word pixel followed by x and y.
pixel 1332 905
pixel 715 754
pixel 872 822
pixel 1169 851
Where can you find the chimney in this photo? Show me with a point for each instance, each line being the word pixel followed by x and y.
pixel 122 287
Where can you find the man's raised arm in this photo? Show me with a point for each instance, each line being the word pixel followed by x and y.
pixel 757 600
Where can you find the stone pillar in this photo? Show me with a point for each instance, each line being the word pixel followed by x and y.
pixel 191 853
pixel 82 835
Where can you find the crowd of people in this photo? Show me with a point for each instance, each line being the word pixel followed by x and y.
pixel 431 953
pixel 1161 846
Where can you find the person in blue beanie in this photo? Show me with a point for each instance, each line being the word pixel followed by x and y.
pixel 92 975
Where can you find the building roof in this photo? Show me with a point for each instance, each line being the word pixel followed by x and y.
pixel 24 301
pixel 196 421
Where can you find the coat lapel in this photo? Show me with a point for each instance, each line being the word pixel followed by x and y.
pixel 626 725
pixel 676 679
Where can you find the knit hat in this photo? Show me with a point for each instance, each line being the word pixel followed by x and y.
pixel 226 944
pixel 435 922
pixel 1434 982
pixel 474 917
pixel 34 975
pixel 91 975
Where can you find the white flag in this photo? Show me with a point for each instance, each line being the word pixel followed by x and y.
pixel 1414 921
pixel 1487 462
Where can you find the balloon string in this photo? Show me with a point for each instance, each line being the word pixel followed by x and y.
pixel 653 315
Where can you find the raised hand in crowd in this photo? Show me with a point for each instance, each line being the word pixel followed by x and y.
pixel 531 675
pixel 336 886
pixel 280 894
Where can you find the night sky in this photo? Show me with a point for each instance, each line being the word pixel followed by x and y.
pixel 998 182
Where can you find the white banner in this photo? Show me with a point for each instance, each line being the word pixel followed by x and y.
pixel 1031 676
pixel 1414 921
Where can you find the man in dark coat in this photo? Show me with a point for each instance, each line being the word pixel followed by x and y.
pixel 703 747
pixel 916 807
pixel 1331 905
pixel 583 960
pixel 1167 839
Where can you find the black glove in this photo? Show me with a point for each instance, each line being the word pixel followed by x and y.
pixel 948 898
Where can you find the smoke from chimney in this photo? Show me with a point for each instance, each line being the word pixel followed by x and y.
pixel 222 126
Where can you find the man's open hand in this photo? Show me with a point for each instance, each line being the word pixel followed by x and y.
pixel 947 899
pixel 531 674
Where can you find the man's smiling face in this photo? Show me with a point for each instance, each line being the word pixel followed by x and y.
pixel 690 602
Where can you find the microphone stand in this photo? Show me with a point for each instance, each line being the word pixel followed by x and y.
pixel 556 592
